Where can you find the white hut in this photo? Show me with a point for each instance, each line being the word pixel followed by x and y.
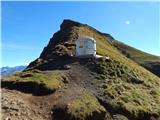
pixel 85 47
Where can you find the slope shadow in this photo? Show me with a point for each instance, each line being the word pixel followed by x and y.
pixel 60 62
pixel 37 89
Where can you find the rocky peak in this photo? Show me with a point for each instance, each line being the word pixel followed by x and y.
pixel 62 42
pixel 67 23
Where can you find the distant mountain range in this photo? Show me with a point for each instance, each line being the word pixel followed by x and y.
pixel 5 71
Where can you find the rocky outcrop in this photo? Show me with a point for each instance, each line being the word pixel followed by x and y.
pixel 61 44
pixel 61 40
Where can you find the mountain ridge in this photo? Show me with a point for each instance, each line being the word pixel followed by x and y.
pixel 147 60
pixel 5 71
pixel 68 33
pixel 87 88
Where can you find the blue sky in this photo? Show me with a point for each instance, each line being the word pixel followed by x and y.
pixel 28 26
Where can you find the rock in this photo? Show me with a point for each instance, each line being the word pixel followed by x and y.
pixel 17 114
pixel 67 67
pixel 5 107
pixel 15 108
pixel 7 118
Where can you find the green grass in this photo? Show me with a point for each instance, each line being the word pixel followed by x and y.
pixel 136 101
pixel 51 81
pixel 124 80
pixel 125 90
pixel 85 107
pixel 135 54
pixel 105 48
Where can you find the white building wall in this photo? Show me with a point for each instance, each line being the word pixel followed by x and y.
pixel 85 47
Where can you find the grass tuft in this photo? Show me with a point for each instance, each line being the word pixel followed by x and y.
pixel 86 107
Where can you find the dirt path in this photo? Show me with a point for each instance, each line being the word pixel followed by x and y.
pixel 84 78
pixel 21 106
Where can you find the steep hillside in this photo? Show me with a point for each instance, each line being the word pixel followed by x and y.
pixel 87 88
pixel 150 62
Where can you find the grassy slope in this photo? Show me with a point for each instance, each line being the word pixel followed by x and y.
pixel 126 91
pixel 105 48
pixel 131 87
pixel 150 62
pixel 135 54
pixel 51 81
